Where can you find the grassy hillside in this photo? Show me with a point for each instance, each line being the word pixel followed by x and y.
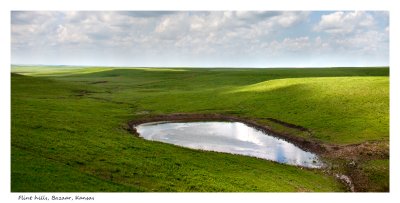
pixel 69 124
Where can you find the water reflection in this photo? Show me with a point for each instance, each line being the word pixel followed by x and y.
pixel 230 137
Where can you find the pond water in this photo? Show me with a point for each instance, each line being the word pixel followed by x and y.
pixel 229 137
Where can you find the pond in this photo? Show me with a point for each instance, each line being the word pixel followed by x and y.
pixel 228 137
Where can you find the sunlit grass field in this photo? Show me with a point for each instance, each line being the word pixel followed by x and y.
pixel 68 126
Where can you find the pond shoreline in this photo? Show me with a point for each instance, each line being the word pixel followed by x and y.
pixel 228 137
pixel 338 158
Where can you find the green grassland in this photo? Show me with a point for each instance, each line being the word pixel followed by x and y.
pixel 68 126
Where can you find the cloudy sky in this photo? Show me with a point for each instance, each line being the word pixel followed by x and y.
pixel 202 39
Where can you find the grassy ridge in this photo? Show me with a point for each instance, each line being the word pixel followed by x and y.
pixel 327 101
pixel 73 123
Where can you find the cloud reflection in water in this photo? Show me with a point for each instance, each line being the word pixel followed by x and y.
pixel 229 137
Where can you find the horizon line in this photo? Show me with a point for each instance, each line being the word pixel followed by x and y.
pixel 108 66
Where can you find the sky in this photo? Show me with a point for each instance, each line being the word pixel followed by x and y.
pixel 201 38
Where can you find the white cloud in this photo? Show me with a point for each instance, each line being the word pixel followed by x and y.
pixel 321 45
pixel 67 35
pixel 290 18
pixel 345 22
pixel 369 42
pixel 293 46
pixel 296 44
pixel 356 36
pixel 163 25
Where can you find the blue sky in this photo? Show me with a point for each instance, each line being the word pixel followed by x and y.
pixel 201 38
